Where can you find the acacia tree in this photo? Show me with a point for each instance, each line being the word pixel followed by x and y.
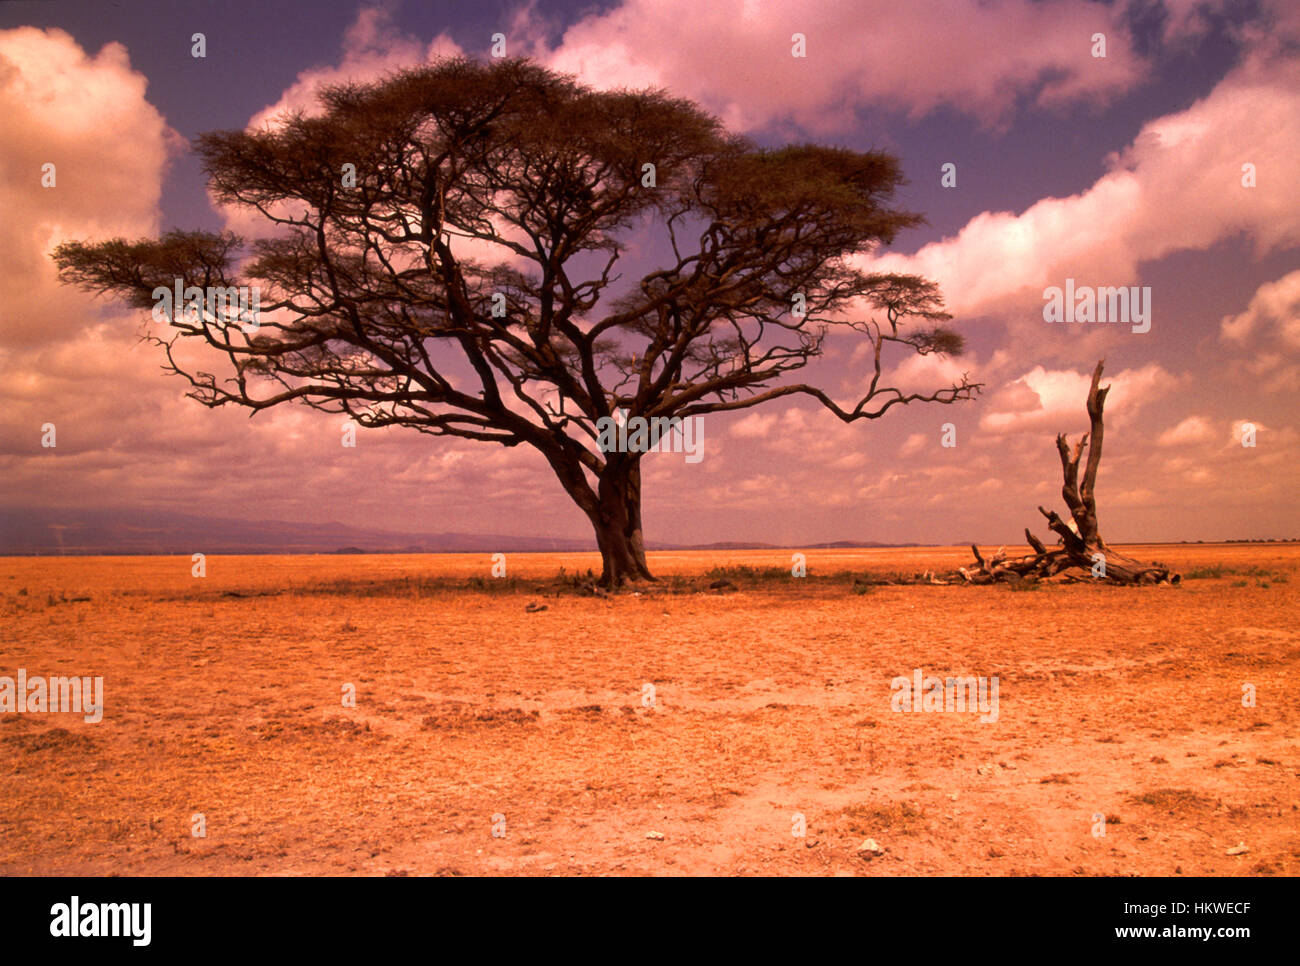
pixel 372 306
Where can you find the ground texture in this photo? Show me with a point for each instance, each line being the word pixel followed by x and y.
pixel 486 739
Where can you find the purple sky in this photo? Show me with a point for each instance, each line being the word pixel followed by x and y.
pixel 1125 170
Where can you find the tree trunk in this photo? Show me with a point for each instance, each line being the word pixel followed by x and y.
pixel 616 518
pixel 614 509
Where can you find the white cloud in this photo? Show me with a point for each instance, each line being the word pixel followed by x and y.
pixel 1273 310
pixel 735 56
pixel 1178 186
pixel 1192 431
pixel 755 425
pixel 110 148
pixel 930 372
pixel 372 48
pixel 1054 400
pixel 914 444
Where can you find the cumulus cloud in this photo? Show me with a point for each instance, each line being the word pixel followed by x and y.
pixel 1273 312
pixel 1192 431
pixel 1266 337
pixel 125 431
pixel 87 116
pixel 930 372
pixel 755 425
pixel 1053 400
pixel 915 443
pixel 122 428
pixel 1177 186
pixel 64 361
pixel 735 56
pixel 811 436
pixel 372 47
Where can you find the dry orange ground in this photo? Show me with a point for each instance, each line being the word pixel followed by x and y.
pixel 769 701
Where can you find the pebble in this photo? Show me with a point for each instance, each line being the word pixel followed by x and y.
pixel 870 849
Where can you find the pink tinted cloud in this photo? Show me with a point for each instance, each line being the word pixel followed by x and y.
pixel 973 56
pixel 88 117
pixel 1178 186
pixel 127 437
pixel 1273 313
pixel 1192 431
pixel 1050 400
pixel 372 47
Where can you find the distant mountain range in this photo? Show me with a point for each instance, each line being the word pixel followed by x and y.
pixel 53 532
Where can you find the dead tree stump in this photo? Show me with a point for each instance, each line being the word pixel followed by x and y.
pixel 1081 545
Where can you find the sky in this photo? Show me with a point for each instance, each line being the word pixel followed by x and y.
pixel 1170 164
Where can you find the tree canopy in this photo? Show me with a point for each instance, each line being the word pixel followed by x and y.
pixel 445 253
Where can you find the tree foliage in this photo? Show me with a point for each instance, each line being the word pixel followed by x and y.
pixel 377 299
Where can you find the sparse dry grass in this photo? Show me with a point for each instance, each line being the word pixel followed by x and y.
pixel 898 818
pixel 1173 800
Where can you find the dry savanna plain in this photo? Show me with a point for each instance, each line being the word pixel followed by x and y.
pixel 489 737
